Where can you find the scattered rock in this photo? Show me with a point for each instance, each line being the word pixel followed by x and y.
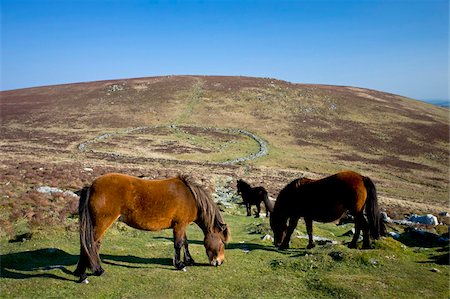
pixel 412 220
pixel 319 240
pixel 115 87
pixel 435 270
pixel 373 261
pixel 51 190
pixel 349 233
pixel 385 217
pixel 267 237
pixel 394 235
pixel 424 219
pixel 225 196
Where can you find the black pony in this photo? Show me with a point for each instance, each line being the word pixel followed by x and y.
pixel 326 200
pixel 254 196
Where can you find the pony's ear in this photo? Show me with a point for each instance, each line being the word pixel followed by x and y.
pixel 226 233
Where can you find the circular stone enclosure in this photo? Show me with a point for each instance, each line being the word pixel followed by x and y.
pixel 191 143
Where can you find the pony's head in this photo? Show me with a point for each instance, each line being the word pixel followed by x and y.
pixel 278 223
pixel 279 216
pixel 215 244
pixel 211 222
pixel 240 184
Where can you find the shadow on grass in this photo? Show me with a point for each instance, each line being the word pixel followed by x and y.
pixel 118 260
pixel 441 257
pixel 242 246
pixel 44 263
pixel 35 262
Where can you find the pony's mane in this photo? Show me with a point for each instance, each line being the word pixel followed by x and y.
pixel 243 183
pixel 289 188
pixel 208 212
pixel 297 183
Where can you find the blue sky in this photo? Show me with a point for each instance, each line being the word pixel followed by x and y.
pixel 394 46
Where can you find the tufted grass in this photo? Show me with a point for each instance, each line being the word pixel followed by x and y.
pixel 139 265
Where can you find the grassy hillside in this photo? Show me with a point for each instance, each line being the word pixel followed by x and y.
pixel 402 144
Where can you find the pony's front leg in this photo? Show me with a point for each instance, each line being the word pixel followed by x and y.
pixel 188 260
pixel 249 209
pixel 291 227
pixel 309 230
pixel 178 242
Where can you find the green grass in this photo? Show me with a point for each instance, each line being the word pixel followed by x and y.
pixel 139 265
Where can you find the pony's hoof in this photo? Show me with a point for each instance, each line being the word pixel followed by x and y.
pixel 180 266
pixel 352 246
pixel 310 246
pixel 83 279
pixel 99 272
pixel 189 262
pixel 283 247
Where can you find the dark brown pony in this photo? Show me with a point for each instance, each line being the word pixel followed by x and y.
pixel 253 196
pixel 326 200
pixel 150 205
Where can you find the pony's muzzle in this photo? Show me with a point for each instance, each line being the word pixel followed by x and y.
pixel 216 262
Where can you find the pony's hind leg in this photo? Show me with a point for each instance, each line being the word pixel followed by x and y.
pixel 366 236
pixel 102 224
pixel 355 238
pixel 82 265
pixel 360 224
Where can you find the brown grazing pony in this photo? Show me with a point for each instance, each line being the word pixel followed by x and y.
pixel 326 200
pixel 150 205
pixel 253 196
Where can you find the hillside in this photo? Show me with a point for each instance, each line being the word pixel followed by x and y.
pixel 160 126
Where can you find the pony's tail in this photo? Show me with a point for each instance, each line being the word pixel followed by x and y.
pixel 267 202
pixel 88 249
pixel 372 209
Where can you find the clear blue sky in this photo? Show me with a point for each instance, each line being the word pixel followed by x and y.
pixel 395 46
